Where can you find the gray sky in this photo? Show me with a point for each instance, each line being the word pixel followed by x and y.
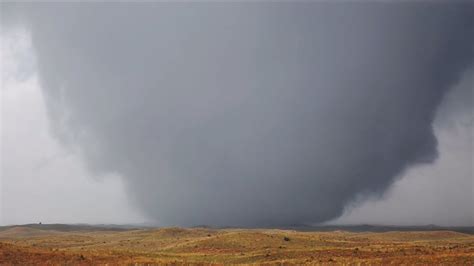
pixel 237 114
pixel 439 193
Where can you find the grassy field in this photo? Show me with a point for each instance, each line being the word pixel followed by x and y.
pixel 84 246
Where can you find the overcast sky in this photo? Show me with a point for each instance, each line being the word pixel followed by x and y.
pixel 237 114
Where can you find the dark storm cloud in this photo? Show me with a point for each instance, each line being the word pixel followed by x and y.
pixel 249 114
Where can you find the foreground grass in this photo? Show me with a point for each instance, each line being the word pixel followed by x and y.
pixel 232 246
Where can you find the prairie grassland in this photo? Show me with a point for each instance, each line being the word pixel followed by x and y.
pixel 196 246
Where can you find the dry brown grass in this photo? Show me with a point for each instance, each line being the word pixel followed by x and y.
pixel 196 246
